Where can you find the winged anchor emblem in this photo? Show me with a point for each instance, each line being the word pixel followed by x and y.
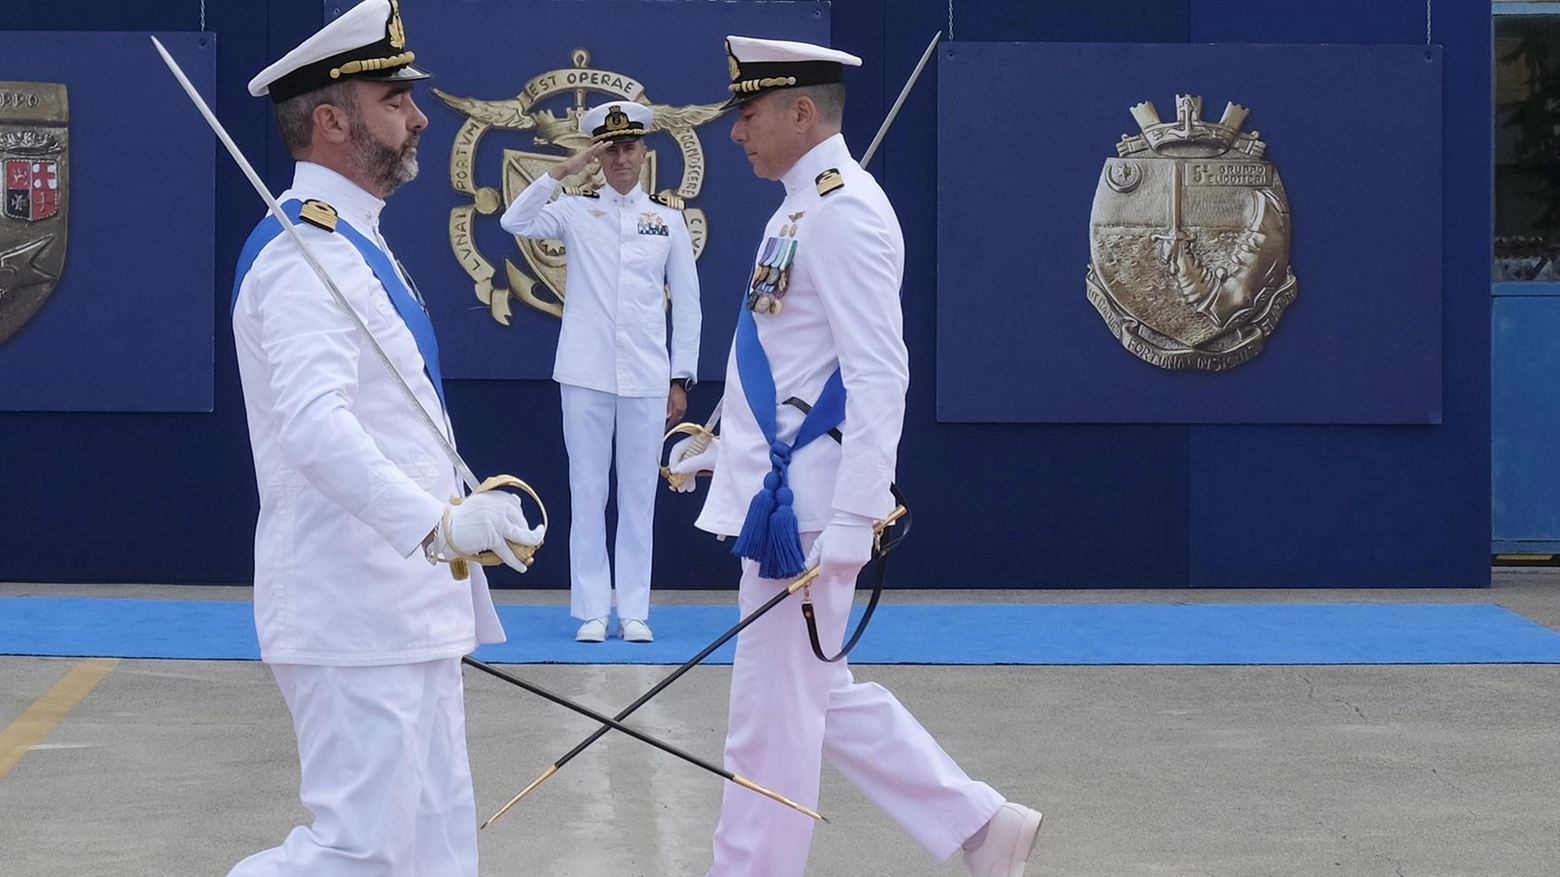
pixel 549 107
pixel 1189 241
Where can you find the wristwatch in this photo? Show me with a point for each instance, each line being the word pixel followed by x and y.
pixel 685 383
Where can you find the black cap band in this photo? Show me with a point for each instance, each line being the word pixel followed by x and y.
pixel 378 61
pixel 753 76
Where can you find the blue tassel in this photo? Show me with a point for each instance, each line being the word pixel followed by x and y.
pixel 785 559
pixel 754 538
pixel 769 535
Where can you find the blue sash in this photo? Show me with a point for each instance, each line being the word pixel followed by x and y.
pixel 406 305
pixel 770 535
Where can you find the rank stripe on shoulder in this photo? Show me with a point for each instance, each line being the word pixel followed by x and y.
pixel 318 214
pixel 830 180
pixel 581 191
pixel 667 199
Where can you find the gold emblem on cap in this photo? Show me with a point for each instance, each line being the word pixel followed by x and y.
pixel 617 120
pixel 747 86
pixel 395 29
pixel 371 64
pixel 731 61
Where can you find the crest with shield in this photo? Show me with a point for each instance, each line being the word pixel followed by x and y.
pixel 34 166
pixel 1189 241
pixel 542 286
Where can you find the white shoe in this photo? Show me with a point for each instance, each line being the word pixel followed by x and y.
pixel 592 631
pixel 1010 838
pixel 636 631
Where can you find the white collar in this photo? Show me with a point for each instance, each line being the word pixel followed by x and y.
pixel 350 200
pixel 831 153
pixel 613 196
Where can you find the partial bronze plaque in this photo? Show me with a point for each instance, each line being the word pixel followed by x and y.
pixel 34 164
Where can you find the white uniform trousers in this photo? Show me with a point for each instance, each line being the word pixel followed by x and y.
pixel 385 773
pixel 590 420
pixel 789 710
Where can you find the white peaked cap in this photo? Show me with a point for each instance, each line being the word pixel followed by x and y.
pixel 616 120
pixel 367 41
pixel 761 66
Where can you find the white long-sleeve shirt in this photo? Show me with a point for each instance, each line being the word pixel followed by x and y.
pixel 841 310
pixel 350 480
pixel 624 252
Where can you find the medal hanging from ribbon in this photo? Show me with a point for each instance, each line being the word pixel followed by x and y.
pixel 771 275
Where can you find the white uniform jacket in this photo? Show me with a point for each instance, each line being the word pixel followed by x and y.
pixel 624 251
pixel 841 310
pixel 350 480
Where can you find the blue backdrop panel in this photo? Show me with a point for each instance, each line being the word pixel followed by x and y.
pixel 1012 505
pixel 675 50
pixel 1354 132
pixel 1342 506
pixel 129 324
pixel 1020 505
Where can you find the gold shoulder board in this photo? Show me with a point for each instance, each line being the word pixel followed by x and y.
pixel 580 191
pixel 318 214
pixel 669 200
pixel 830 180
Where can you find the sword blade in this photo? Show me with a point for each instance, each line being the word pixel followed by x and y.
pixel 637 734
pixel 900 101
pixel 801 582
pixel 308 256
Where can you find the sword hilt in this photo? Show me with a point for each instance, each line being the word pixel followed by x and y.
pixel 460 565
pixel 702 436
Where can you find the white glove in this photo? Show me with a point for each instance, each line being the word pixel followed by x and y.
pixel 486 521
pixel 703 461
pixel 843 548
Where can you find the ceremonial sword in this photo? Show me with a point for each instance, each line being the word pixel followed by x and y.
pixel 525 552
pixel 703 435
pixel 801 582
pixel 900 101
pixel 449 449
pixel 614 724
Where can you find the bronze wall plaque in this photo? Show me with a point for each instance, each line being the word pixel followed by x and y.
pixel 1189 241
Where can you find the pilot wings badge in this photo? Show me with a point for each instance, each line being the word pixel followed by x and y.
pixel 1189 241
pixel 558 127
pixel 34 148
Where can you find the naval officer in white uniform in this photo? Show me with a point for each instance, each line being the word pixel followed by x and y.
pixel 821 322
pixel 626 249
pixel 362 632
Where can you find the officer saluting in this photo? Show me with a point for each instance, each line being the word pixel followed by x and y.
pixel 625 249
pixel 821 322
pixel 363 634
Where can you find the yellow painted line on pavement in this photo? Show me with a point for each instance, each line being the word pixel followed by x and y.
pixel 47 711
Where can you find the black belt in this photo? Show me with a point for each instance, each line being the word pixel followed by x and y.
pixel 885 542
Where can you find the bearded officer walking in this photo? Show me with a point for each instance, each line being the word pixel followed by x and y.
pixel 625 250
pixel 821 322
pixel 363 633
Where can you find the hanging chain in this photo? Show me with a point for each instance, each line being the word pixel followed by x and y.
pixel 950 20
pixel 1427 21
pixel 203 15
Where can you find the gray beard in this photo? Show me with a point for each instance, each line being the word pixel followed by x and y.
pixel 387 167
